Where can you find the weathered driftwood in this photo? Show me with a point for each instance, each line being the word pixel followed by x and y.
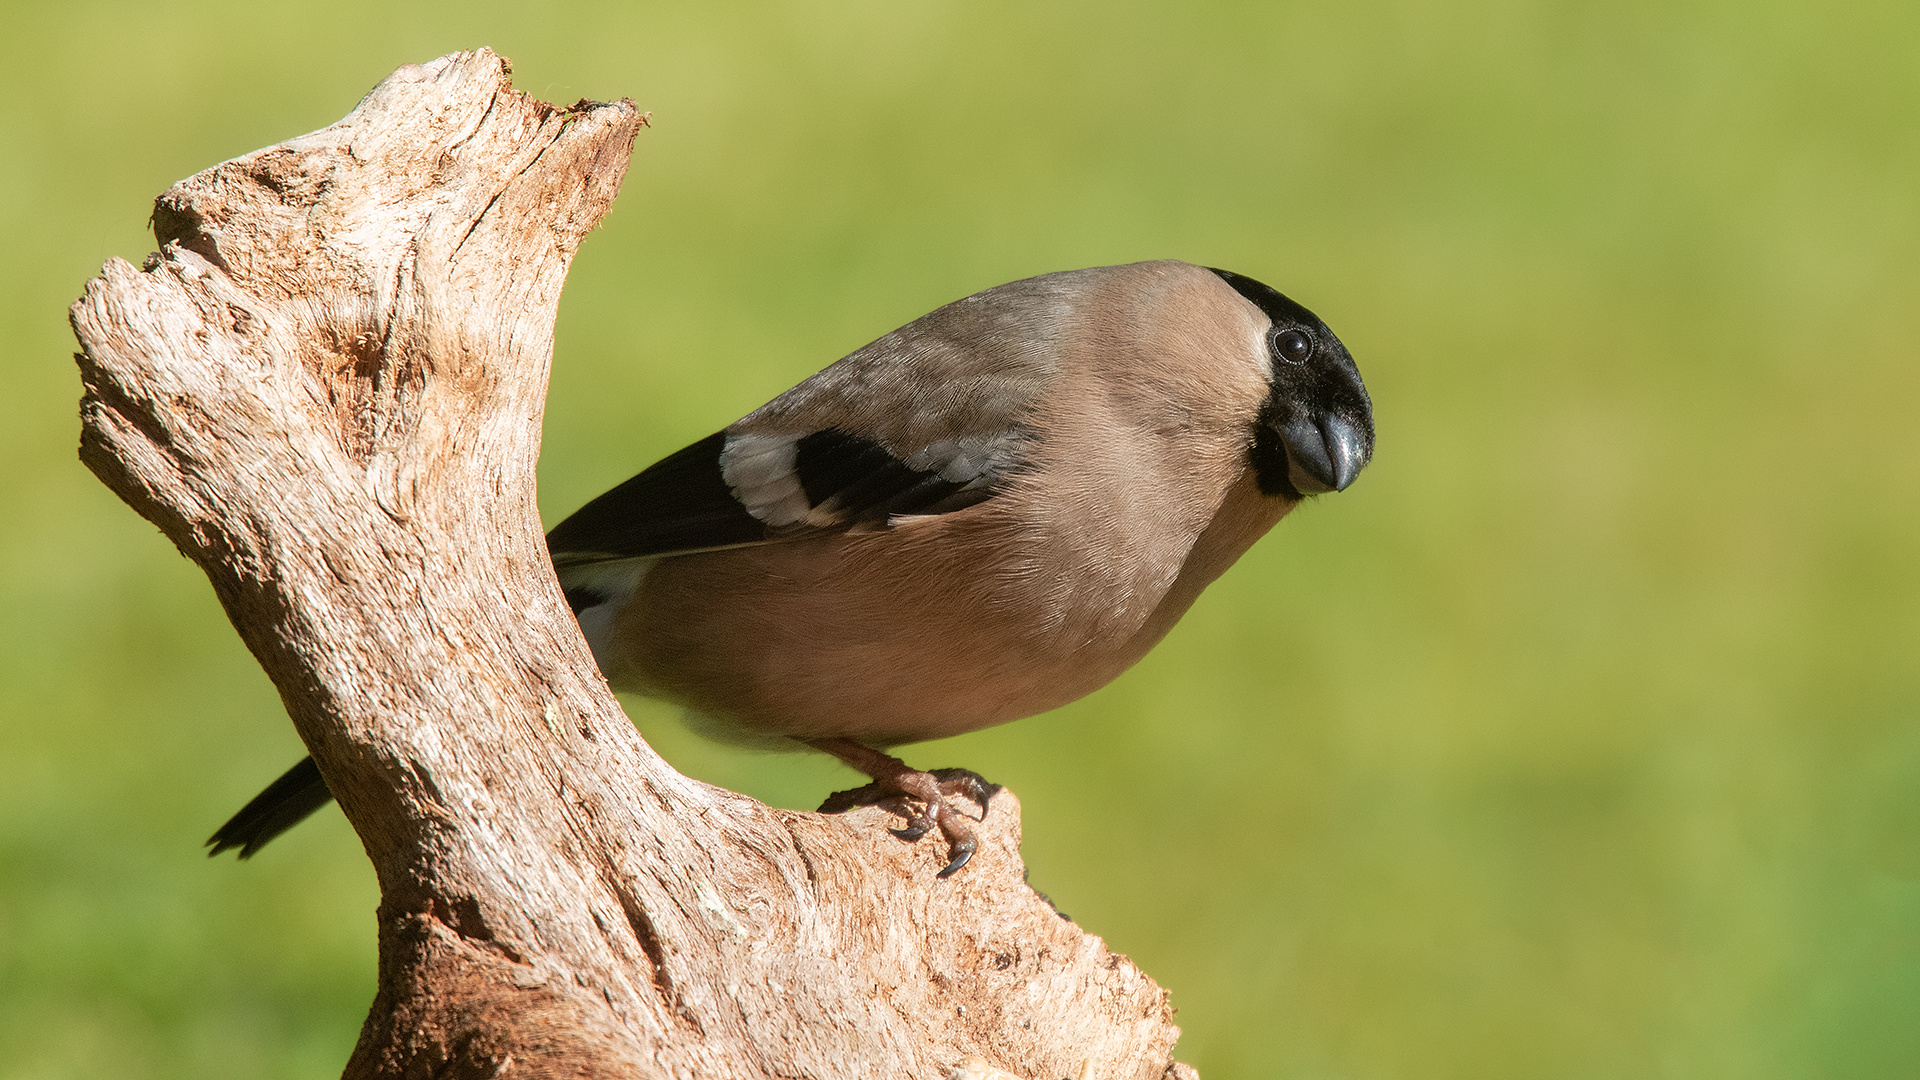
pixel 326 388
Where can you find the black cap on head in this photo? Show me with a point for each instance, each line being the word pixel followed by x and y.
pixel 1316 430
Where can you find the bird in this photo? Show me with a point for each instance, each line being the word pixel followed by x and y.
pixel 985 514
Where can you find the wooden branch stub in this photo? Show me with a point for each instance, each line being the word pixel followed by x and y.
pixel 326 389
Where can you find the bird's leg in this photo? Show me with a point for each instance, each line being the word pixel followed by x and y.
pixel 896 787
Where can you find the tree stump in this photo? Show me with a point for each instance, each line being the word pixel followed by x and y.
pixel 326 389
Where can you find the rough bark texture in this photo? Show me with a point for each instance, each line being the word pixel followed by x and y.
pixel 326 388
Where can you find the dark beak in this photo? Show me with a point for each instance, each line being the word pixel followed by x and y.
pixel 1324 453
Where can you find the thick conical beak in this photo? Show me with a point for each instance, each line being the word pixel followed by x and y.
pixel 1324 453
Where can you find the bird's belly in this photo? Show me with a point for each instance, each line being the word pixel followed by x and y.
pixel 854 637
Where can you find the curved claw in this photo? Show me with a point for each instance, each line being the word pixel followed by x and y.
pixel 918 820
pixel 967 784
pixel 961 850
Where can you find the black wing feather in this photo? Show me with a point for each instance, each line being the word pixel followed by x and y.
pixel 861 482
pixel 681 503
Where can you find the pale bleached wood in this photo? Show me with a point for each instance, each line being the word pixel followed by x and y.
pixel 326 389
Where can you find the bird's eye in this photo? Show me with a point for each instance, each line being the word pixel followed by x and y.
pixel 1293 346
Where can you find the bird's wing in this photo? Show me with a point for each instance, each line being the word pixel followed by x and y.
pixel 929 419
pixel 730 490
pixel 680 503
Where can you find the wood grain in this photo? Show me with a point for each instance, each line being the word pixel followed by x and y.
pixel 326 389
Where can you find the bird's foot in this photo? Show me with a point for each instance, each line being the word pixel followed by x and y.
pixel 927 800
pixel 952 784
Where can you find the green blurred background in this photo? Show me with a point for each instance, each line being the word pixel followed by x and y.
pixel 1580 739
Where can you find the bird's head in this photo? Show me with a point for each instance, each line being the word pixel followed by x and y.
pixel 1315 430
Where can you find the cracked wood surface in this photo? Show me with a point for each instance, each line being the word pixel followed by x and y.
pixel 326 389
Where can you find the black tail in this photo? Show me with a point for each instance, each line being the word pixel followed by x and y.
pixel 286 803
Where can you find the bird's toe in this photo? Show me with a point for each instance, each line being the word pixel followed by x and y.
pixel 966 784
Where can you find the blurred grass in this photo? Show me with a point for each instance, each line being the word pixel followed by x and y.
pixel 1580 739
